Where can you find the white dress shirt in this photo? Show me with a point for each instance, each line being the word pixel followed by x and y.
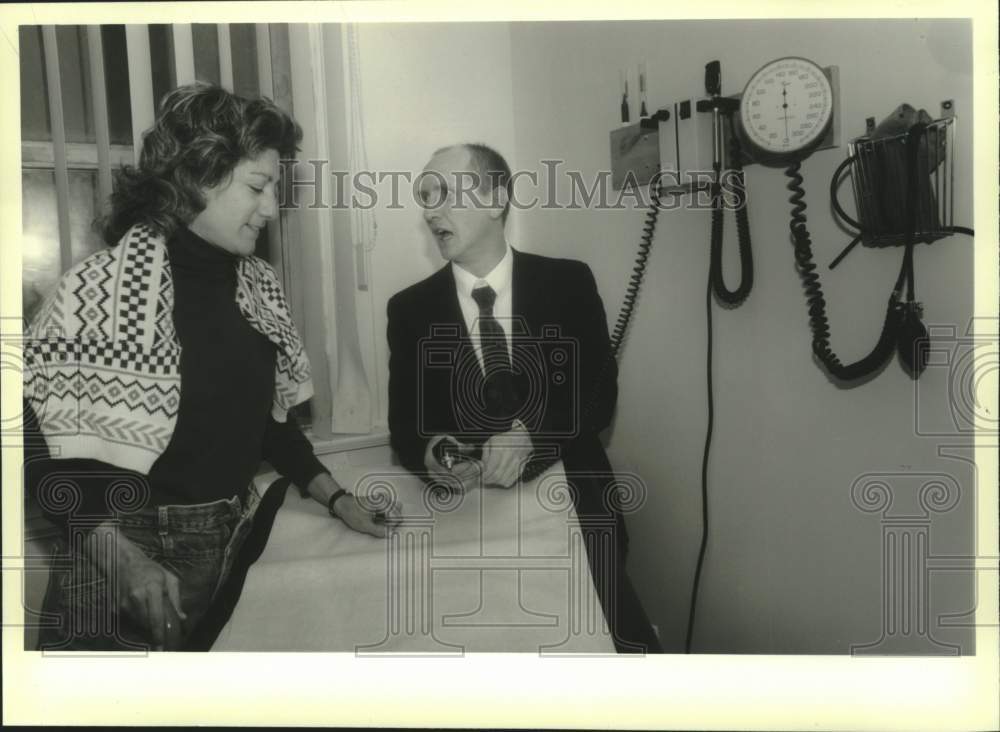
pixel 499 278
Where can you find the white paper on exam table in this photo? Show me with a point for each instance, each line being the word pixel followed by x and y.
pixel 489 571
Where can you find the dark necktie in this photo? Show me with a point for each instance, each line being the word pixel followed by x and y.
pixel 499 398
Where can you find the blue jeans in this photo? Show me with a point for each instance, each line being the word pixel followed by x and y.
pixel 198 543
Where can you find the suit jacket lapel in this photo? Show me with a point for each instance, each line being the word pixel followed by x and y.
pixel 449 311
pixel 524 298
pixel 527 313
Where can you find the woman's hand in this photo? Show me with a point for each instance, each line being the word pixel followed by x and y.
pixel 377 523
pixel 147 592
pixel 351 511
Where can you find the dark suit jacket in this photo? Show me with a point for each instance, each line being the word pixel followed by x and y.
pixel 560 356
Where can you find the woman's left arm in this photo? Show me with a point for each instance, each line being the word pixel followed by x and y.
pixel 291 454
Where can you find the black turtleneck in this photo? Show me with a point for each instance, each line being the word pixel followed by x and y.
pixel 224 425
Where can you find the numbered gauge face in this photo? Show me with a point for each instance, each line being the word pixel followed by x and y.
pixel 786 106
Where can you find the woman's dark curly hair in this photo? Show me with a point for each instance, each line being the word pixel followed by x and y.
pixel 201 133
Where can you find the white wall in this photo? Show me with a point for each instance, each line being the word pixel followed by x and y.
pixel 792 565
pixel 425 86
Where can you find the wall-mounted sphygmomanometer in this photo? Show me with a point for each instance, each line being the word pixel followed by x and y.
pixel 902 172
pixel 903 180
pixel 786 108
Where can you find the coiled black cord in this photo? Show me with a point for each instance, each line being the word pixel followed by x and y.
pixel 638 271
pixel 818 321
pixel 536 467
pixel 731 297
pixel 617 339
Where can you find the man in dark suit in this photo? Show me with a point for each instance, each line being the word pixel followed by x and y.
pixel 505 356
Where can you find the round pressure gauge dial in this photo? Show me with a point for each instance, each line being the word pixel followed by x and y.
pixel 786 106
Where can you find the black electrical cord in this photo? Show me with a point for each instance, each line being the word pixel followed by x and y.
pixel 847 250
pixel 704 469
pixel 731 297
pixel 717 285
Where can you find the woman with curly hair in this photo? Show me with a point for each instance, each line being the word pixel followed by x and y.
pixel 160 372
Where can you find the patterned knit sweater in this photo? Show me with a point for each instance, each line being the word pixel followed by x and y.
pixel 102 358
